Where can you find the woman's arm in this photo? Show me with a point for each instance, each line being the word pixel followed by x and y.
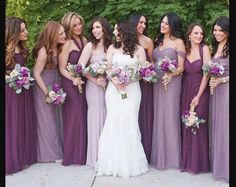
pixel 205 78
pixel 38 69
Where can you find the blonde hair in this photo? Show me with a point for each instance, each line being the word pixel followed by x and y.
pixel 67 22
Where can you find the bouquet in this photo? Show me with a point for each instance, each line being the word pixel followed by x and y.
pixel 19 78
pixel 76 71
pixel 97 69
pixel 214 70
pixel 191 120
pixel 122 75
pixel 167 65
pixel 56 94
pixel 147 72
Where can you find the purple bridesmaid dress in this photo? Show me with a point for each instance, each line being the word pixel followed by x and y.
pixel 48 119
pixel 95 96
pixel 219 126
pixel 20 127
pixel 146 115
pixel 74 115
pixel 195 147
pixel 165 152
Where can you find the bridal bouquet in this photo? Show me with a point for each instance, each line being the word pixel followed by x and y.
pixel 167 65
pixel 147 72
pixel 214 70
pixel 19 78
pixel 56 94
pixel 191 120
pixel 76 71
pixel 122 75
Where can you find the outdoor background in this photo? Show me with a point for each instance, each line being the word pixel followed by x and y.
pixel 37 12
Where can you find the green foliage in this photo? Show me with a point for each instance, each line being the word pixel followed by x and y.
pixel 37 13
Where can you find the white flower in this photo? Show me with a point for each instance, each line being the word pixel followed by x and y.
pixel 14 73
pixel 52 95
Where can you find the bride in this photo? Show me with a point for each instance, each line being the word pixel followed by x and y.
pixel 120 149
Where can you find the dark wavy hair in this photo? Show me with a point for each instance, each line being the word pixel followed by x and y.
pixel 128 37
pixel 12 32
pixel 106 28
pixel 223 22
pixel 134 19
pixel 175 27
pixel 188 32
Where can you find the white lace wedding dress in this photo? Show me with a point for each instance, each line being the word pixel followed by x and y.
pixel 120 149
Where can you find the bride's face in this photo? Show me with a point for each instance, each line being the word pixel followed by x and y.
pixel 116 33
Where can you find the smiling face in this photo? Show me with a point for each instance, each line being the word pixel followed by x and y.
pixel 196 35
pixel 61 36
pixel 219 35
pixel 23 32
pixel 141 25
pixel 165 27
pixel 97 30
pixel 77 26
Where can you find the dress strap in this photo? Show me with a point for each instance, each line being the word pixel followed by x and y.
pixel 181 53
pixel 201 50
pixel 77 43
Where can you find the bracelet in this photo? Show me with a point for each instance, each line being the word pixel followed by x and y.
pixel 224 80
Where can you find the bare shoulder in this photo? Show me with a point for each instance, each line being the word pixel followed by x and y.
pixel 68 44
pixel 148 40
pixel 88 45
pixel 42 51
pixel 179 43
pixel 206 48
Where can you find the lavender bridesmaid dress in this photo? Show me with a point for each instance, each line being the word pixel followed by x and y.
pixel 195 147
pixel 95 96
pixel 165 152
pixel 74 115
pixel 219 126
pixel 48 119
pixel 146 115
pixel 20 127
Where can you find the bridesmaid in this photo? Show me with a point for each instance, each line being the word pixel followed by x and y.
pixel 46 51
pixel 20 128
pixel 146 106
pixel 74 110
pixel 165 152
pixel 100 35
pixel 195 92
pixel 219 101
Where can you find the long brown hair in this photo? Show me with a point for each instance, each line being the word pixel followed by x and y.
pixel 47 39
pixel 12 32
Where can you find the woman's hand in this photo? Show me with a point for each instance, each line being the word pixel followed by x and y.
pixel 101 81
pixel 166 78
pixel 195 101
pixel 214 82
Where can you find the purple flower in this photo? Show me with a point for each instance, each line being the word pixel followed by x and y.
pixel 56 87
pixel 24 72
pixel 79 69
pixel 19 83
pixel 185 113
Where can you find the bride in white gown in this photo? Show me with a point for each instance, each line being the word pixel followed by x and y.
pixel 120 149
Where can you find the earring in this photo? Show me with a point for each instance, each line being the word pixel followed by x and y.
pixel 189 39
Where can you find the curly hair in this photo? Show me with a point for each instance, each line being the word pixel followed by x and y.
pixel 12 32
pixel 134 19
pixel 106 28
pixel 47 39
pixel 175 27
pixel 67 22
pixel 128 36
pixel 223 22
pixel 188 32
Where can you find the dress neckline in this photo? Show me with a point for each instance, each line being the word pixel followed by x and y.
pixel 77 43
